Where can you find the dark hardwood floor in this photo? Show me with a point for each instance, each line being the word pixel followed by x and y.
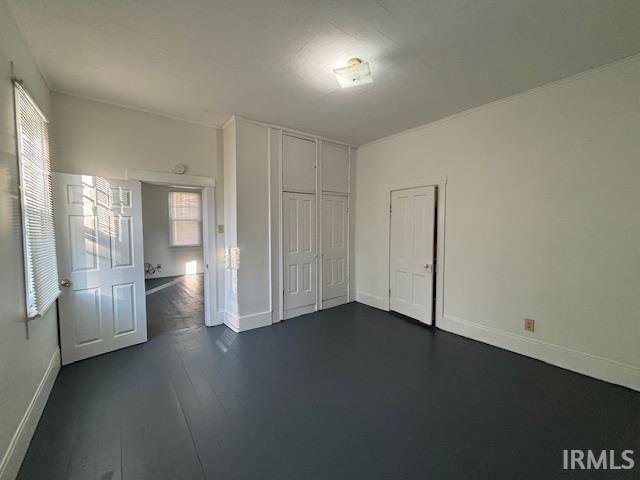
pixel 347 393
pixel 178 306
pixel 150 283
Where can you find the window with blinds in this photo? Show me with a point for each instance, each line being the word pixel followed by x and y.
pixel 185 219
pixel 38 234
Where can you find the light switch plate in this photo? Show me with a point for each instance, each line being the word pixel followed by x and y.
pixel 220 228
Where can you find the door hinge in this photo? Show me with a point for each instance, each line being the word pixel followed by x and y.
pixel 390 208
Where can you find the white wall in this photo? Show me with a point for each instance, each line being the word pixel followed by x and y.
pixel 29 357
pixel 247 224
pixel 542 220
pixel 252 171
pixel 95 138
pixel 100 139
pixel 157 249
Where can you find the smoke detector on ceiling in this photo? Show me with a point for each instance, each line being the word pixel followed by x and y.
pixel 355 73
pixel 179 168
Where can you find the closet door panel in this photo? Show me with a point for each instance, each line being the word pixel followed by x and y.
pixel 299 240
pixel 298 164
pixel 335 168
pixel 334 246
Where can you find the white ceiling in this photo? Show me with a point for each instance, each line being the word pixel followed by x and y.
pixel 272 60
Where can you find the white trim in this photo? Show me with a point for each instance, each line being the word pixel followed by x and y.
pixel 292 132
pixel 209 226
pixel 269 221
pixel 243 323
pixel 334 302
pixel 564 357
pixel 171 179
pixel 319 251
pixel 296 312
pixel 17 449
pixel 441 183
pixel 372 300
pixel 484 106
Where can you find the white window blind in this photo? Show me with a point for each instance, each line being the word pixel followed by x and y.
pixel 185 219
pixel 38 235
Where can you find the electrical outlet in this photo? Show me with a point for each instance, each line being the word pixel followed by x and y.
pixel 529 325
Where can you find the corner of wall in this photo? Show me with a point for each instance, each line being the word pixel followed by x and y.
pixel 13 457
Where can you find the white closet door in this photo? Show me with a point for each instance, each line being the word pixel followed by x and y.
pixel 99 239
pixel 334 247
pixel 335 168
pixel 411 253
pixel 300 253
pixel 298 164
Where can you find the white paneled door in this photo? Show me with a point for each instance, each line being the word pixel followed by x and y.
pixel 100 257
pixel 300 253
pixel 412 252
pixel 334 247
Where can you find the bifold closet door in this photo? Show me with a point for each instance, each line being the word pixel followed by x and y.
pixel 334 246
pixel 300 252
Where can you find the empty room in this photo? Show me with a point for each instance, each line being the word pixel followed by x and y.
pixel 295 239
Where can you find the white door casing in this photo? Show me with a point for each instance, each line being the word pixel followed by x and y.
pixel 411 274
pixel 300 253
pixel 335 269
pixel 100 252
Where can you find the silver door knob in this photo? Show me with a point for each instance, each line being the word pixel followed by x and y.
pixel 65 283
pixel 427 267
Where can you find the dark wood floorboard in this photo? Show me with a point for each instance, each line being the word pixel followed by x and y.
pixel 347 393
pixel 179 306
pixel 150 283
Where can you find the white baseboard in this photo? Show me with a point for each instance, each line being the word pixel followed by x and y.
pixel 577 361
pixel 296 312
pixel 334 302
pixel 220 314
pixel 10 464
pixel 371 300
pixel 242 323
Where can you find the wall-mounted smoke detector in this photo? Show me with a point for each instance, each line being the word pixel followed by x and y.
pixel 355 73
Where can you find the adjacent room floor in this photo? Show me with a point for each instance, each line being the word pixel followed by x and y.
pixel 174 303
pixel 347 393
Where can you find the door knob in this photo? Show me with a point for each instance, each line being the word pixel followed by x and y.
pixel 427 267
pixel 65 283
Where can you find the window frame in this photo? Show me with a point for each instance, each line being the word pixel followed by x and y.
pixel 171 220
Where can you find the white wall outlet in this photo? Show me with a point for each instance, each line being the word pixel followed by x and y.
pixel 529 325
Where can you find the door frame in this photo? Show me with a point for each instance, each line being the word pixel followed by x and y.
pixel 441 196
pixel 206 185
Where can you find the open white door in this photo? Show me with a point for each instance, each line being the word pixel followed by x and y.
pixel 300 254
pixel 100 257
pixel 412 253
pixel 334 248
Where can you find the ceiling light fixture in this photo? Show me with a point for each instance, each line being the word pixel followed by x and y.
pixel 355 73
